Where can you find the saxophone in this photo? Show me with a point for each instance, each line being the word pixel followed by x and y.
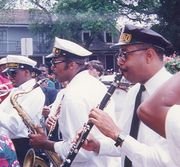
pixel 31 160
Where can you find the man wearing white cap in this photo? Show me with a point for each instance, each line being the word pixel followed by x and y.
pixel 19 70
pixel 82 93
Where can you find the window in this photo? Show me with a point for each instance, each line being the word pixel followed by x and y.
pixel 3 41
pixel 42 42
pixel 108 37
pixel 3 35
pixel 86 36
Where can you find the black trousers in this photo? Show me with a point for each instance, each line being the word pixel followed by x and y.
pixel 21 146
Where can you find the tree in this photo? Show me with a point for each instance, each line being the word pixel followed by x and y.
pixel 167 15
pixel 77 15
pixel 73 16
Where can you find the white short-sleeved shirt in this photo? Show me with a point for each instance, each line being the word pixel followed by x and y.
pixel 172 128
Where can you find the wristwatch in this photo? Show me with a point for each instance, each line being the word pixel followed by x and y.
pixel 120 139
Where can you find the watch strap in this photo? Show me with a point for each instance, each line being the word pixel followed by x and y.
pixel 120 139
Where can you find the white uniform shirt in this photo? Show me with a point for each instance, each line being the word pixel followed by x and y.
pixel 150 148
pixel 172 128
pixel 32 103
pixel 82 94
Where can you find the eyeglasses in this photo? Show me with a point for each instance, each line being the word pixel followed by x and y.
pixel 54 62
pixel 124 54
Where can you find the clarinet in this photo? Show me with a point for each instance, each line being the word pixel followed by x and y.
pixel 88 126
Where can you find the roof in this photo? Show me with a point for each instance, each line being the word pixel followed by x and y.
pixel 21 17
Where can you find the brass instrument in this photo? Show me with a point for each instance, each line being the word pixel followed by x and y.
pixel 56 114
pixel 4 90
pixel 31 160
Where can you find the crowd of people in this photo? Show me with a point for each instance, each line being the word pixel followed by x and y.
pixel 42 112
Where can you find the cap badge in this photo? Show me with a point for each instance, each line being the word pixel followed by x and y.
pixel 125 37
pixel 56 51
pixel 12 65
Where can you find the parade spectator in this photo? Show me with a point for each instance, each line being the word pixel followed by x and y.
pixel 48 86
pixel 95 68
pixel 45 74
pixel 8 157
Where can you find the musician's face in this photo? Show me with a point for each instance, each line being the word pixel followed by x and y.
pixel 59 68
pixel 132 62
pixel 18 76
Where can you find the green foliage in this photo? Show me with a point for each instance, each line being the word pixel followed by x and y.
pixel 70 17
pixel 77 15
pixel 168 17
pixel 173 66
pixel 73 16
pixel 146 6
pixel 167 20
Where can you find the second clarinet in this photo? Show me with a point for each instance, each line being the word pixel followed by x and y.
pixel 88 126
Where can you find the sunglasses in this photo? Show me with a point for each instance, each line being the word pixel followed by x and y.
pixel 12 73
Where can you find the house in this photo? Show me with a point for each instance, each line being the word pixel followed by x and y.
pixel 15 25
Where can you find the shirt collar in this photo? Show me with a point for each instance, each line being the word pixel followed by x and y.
pixel 27 85
pixel 157 80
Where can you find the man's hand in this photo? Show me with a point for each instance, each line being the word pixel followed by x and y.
pixel 40 140
pixel 51 122
pixel 90 144
pixel 104 123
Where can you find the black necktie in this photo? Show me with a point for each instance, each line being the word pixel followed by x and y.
pixel 135 122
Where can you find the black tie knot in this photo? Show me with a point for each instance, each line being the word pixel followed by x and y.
pixel 138 96
pixel 142 88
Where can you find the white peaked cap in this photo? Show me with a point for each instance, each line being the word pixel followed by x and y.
pixel 69 46
pixel 18 59
pixel 3 61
